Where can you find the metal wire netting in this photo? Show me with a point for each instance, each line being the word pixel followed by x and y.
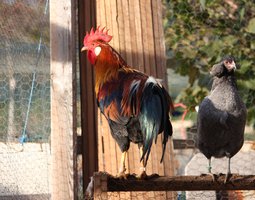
pixel 24 73
pixel 24 99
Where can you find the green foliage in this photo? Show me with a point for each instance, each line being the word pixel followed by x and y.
pixel 199 33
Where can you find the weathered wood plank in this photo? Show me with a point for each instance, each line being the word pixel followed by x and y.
pixel 157 45
pixel 133 34
pixel 63 99
pixel 132 25
pixel 86 13
pixel 114 27
pixel 150 34
pixel 138 38
pixel 128 38
pixel 101 145
pixel 145 36
pixel 161 41
pixel 121 29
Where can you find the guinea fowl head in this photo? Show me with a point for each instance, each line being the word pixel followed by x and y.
pixel 229 63
pixel 226 66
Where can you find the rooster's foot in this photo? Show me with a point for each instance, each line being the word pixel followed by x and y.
pixel 142 175
pixel 122 175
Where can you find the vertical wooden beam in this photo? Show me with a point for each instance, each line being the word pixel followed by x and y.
pixel 63 99
pixel 86 20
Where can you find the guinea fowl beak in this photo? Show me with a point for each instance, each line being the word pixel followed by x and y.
pixel 84 48
pixel 234 66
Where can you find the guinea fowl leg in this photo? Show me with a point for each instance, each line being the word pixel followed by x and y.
pixel 209 165
pixel 210 169
pixel 228 171
pixel 142 174
pixel 122 169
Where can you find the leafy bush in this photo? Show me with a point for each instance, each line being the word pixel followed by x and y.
pixel 199 33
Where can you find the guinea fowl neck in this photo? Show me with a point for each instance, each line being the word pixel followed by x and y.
pixel 229 80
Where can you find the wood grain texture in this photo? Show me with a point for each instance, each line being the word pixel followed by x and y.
pixel 63 99
pixel 176 183
pixel 137 30
pixel 87 19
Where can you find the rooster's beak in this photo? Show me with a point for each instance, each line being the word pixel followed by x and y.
pixel 84 48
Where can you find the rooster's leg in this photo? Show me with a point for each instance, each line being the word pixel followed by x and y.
pixel 142 174
pixel 122 169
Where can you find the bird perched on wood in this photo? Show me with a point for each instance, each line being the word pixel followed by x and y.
pixel 135 105
pixel 222 115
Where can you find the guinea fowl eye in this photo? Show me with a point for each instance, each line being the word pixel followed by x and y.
pixel 227 62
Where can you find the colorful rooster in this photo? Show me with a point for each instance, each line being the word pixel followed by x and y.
pixel 135 105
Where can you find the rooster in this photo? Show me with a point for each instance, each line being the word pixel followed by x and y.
pixel 135 105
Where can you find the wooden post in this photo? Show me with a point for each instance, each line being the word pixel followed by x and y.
pixel 63 99
pixel 86 13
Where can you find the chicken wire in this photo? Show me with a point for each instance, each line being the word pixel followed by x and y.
pixel 24 99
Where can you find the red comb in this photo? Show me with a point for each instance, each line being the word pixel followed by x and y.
pixel 99 34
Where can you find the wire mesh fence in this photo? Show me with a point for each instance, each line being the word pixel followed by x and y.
pixel 24 99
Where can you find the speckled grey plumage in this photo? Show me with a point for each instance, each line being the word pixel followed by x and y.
pixel 221 116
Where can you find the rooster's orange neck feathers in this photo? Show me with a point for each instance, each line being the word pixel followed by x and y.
pixel 107 66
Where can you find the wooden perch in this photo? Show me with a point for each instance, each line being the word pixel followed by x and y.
pixel 104 182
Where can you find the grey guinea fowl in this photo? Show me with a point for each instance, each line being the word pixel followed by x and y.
pixel 222 115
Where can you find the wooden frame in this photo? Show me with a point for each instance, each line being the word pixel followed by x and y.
pixel 63 99
pixel 104 183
